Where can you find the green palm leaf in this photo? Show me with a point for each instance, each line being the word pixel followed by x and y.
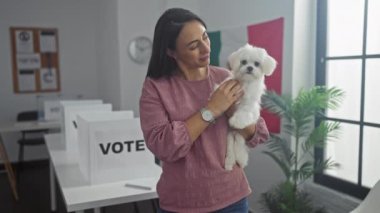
pixel 306 171
pixel 321 165
pixel 279 105
pixel 320 134
pixel 278 145
pixel 299 116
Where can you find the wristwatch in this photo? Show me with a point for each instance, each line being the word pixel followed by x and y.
pixel 207 115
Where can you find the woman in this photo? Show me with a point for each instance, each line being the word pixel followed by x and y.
pixel 185 122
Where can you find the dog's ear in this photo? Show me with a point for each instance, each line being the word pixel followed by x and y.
pixel 233 61
pixel 228 65
pixel 269 64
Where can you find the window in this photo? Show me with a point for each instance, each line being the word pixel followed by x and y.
pixel 348 57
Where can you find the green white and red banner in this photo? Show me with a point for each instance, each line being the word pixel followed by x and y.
pixel 268 35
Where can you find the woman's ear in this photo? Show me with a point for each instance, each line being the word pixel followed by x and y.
pixel 171 53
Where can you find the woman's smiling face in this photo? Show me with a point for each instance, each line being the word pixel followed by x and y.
pixel 192 47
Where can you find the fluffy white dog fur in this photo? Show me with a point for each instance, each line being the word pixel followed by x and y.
pixel 249 65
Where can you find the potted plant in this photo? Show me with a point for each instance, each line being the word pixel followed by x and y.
pixel 293 150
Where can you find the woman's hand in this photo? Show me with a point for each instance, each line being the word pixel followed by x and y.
pixel 224 97
pixel 230 111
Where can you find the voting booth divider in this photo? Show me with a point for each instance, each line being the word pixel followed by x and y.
pixel 52 110
pixel 84 123
pixel 108 146
pixel 52 107
pixel 69 111
pixel 113 149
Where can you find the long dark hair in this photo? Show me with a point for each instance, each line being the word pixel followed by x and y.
pixel 167 29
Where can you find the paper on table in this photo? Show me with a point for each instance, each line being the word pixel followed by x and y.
pixel 142 183
pixel 138 186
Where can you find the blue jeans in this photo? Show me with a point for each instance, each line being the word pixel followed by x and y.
pixel 239 207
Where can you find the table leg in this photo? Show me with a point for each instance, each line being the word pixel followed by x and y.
pixel 154 204
pixel 53 198
pixel 97 210
pixel 8 168
pixel 136 207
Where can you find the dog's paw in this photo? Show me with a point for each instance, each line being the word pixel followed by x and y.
pixel 242 161
pixel 228 167
pixel 241 151
pixel 229 164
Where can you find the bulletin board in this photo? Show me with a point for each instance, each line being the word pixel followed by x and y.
pixel 35 60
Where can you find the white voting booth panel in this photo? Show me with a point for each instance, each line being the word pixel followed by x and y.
pixel 115 150
pixel 85 121
pixel 65 103
pixel 52 108
pixel 70 133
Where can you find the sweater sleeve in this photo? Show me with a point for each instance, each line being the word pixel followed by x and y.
pixel 168 140
pixel 261 135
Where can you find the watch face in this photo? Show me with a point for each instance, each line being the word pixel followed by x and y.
pixel 207 115
pixel 140 49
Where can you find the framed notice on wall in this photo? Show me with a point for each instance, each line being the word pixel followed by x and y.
pixel 35 60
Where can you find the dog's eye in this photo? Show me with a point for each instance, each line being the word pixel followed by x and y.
pixel 243 62
pixel 257 64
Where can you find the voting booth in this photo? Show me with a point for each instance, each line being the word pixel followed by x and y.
pixel 52 111
pixel 65 103
pixel 69 122
pixel 112 148
pixel 52 107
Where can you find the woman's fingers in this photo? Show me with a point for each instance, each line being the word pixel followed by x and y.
pixel 227 94
pixel 227 85
pixel 230 87
pixel 238 94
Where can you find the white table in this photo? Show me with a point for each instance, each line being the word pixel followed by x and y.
pixel 29 125
pixel 80 195
pixel 18 127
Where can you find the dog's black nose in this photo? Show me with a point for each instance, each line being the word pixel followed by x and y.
pixel 249 69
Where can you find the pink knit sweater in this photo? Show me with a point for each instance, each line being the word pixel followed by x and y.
pixel 193 177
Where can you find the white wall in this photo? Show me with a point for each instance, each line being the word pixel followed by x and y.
pixel 135 19
pixel 304 45
pixel 108 48
pixel 190 5
pixel 77 54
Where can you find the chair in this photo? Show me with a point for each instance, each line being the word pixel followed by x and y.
pixel 27 139
pixel 371 202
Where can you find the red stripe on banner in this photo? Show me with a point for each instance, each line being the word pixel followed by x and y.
pixel 269 35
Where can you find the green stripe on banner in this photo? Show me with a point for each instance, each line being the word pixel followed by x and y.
pixel 216 46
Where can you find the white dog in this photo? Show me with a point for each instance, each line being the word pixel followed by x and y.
pixel 249 66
